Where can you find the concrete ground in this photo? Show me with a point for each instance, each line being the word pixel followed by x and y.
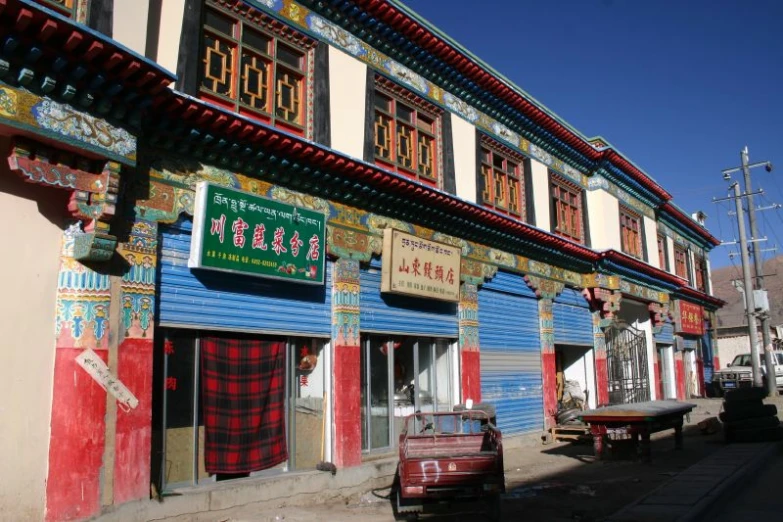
pixel 556 482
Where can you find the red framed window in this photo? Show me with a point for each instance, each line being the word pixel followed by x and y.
pixel 663 257
pixel 630 233
pixel 502 179
pixel 681 262
pixel 252 70
pixel 64 7
pixel 566 209
pixel 407 131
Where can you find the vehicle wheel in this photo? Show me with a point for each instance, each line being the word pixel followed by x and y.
pixel 746 394
pixel 568 415
pixel 406 510
pixel 495 508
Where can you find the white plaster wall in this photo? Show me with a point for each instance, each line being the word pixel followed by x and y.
pixel 31 246
pixel 171 16
pixel 347 93
pixel 667 364
pixel 465 161
pixel 603 211
pixel 590 373
pixel 651 235
pixel 730 347
pixel 129 26
pixel 540 182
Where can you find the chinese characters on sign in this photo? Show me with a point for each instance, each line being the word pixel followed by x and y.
pixel 419 267
pixel 690 318
pixel 94 365
pixel 236 231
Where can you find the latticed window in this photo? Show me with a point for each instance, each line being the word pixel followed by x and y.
pixel 566 209
pixel 406 133
pixel 681 263
pixel 64 7
pixel 630 233
pixel 663 257
pixel 502 179
pixel 252 70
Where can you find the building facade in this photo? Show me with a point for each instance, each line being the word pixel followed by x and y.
pixel 258 233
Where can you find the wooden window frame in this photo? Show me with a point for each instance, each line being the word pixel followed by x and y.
pixel 64 7
pixel 571 208
pixel 631 233
pixel 700 271
pixel 277 81
pixel 499 178
pixel 663 252
pixel 394 126
pixel 681 263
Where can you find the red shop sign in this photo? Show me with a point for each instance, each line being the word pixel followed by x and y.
pixel 690 318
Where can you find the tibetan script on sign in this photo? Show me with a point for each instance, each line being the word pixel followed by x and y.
pixel 237 231
pixel 414 266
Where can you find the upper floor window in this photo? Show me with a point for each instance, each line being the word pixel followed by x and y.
pixel 630 233
pixel 64 7
pixel 701 273
pixel 566 209
pixel 254 71
pixel 663 253
pixel 407 131
pixel 502 179
pixel 681 262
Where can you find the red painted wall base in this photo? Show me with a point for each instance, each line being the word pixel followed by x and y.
pixel 601 381
pixel 77 440
pixel 346 398
pixel 679 372
pixel 471 375
pixel 658 381
pixel 549 388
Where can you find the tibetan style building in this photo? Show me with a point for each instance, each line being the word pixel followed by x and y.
pixel 245 236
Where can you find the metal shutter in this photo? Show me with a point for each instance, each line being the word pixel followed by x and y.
pixel 222 301
pixel 511 353
pixel 690 344
pixel 389 313
pixel 572 319
pixel 666 336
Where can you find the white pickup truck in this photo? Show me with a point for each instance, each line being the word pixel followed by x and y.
pixel 738 374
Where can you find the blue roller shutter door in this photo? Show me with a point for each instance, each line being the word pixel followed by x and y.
pixel 511 353
pixel 573 321
pixel 213 300
pixel 389 313
pixel 666 335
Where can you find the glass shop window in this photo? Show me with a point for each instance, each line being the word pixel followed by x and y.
pixel 401 376
pixel 230 405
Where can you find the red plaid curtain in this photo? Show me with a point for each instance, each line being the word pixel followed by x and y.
pixel 243 394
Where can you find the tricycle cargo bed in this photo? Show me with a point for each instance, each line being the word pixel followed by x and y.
pixel 450 446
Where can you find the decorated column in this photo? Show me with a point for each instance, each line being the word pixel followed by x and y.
pixel 547 290
pixel 351 247
pixel 469 342
pixel 605 304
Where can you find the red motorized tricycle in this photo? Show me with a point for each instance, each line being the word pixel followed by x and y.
pixel 450 457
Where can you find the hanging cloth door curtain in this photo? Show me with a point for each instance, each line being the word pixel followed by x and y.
pixel 243 394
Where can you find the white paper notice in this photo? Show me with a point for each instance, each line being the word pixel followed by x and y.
pixel 94 365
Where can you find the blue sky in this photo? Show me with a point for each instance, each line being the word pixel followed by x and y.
pixel 678 86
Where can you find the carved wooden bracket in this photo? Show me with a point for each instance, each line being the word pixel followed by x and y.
pixel 544 288
pixel 603 300
pixel 660 313
pixel 94 187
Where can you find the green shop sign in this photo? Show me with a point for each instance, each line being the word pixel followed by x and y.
pixel 240 232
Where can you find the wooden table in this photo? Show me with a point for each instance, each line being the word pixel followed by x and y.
pixel 637 420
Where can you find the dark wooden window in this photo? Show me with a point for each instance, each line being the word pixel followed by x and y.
pixel 630 233
pixel 566 209
pixel 254 71
pixel 502 179
pixel 407 131
pixel 701 273
pixel 681 262
pixel 663 256
pixel 64 7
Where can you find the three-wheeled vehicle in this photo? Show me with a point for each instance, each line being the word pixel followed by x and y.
pixel 450 457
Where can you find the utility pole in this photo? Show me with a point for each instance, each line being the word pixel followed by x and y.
pixel 758 268
pixel 750 305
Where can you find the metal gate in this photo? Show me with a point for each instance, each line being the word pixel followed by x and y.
pixel 626 360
